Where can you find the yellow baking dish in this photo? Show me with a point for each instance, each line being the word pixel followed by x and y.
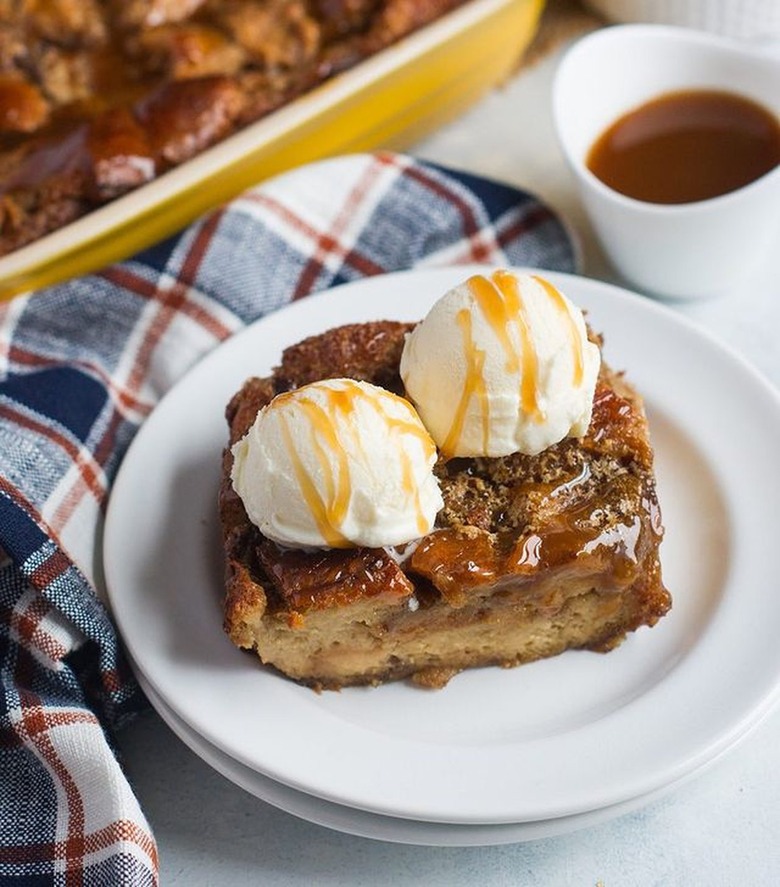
pixel 388 101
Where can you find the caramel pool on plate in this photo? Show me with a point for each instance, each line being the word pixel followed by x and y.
pixel 686 146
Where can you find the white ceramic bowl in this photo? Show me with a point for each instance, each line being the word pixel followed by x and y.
pixel 743 19
pixel 692 250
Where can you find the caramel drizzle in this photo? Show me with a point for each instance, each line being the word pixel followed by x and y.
pixel 412 489
pixel 327 513
pixel 500 303
pixel 473 385
pixel 330 510
pixel 577 347
pixel 515 312
pixel 502 306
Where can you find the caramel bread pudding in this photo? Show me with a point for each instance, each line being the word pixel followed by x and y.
pixel 530 554
pixel 98 97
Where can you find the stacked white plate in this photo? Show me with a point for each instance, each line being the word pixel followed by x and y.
pixel 498 755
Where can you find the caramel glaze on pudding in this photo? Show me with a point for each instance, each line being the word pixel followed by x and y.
pixel 530 556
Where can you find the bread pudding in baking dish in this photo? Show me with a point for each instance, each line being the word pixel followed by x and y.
pixel 500 547
pixel 98 97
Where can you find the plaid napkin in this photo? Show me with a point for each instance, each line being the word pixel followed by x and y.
pixel 81 365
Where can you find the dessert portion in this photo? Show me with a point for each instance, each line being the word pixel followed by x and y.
pixel 98 97
pixel 531 553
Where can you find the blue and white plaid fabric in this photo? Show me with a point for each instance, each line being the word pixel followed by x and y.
pixel 81 365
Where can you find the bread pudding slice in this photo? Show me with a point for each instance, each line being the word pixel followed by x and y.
pixel 530 556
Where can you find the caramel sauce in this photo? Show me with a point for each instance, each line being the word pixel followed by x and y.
pixel 115 79
pixel 575 539
pixel 114 82
pixel 572 483
pixel 577 347
pixel 473 385
pixel 687 146
pixel 326 516
pixel 315 579
pixel 413 490
pixel 50 158
pixel 577 529
pixel 330 510
pixel 529 391
pixel 455 563
pixel 22 107
pixel 618 427
pixel 501 307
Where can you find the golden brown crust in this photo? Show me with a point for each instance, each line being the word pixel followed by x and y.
pixel 531 555
pixel 370 352
pixel 187 72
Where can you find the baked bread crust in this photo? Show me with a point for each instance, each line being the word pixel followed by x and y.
pixel 530 556
pixel 98 97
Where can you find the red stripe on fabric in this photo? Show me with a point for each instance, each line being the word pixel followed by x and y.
pixel 25 622
pixel 105 446
pixel 328 242
pixel 170 301
pixel 78 456
pixel 206 321
pixel 111 680
pixel 139 286
pixel 101 454
pixel 18 499
pixel 124 277
pixel 513 231
pixel 52 568
pixel 35 724
pixel 38 578
pixel 478 250
pixel 129 280
pixel 120 831
pixel 38 718
pixel 27 625
pixel 283 213
pixel 194 256
pixel 173 300
pixel 88 478
pixel 126 831
pixel 522 225
pixel 48 645
pixel 22 502
pixel 27 358
pixel 33 727
pixel 360 262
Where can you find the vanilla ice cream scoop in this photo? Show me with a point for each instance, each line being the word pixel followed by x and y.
pixel 501 364
pixel 338 463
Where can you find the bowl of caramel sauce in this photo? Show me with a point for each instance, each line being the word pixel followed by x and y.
pixel 673 136
pixel 687 145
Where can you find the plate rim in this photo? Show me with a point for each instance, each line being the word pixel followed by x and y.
pixel 382 827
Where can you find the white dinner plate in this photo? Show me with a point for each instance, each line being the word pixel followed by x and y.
pixel 386 828
pixel 564 736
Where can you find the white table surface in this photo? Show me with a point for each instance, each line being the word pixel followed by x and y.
pixel 720 828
